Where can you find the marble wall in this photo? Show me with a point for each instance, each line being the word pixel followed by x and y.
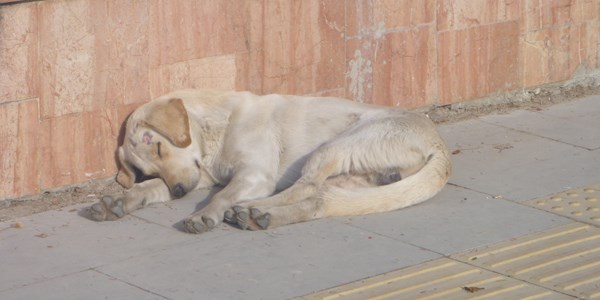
pixel 72 70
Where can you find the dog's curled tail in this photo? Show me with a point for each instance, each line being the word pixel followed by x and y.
pixel 424 184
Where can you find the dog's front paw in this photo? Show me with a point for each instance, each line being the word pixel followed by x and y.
pixel 199 224
pixel 107 209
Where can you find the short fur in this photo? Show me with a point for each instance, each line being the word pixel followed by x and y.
pixel 281 159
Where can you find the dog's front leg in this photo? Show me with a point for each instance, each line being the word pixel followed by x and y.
pixel 243 186
pixel 111 208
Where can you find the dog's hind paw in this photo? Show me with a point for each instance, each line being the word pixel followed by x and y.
pixel 241 216
pixel 251 219
pixel 229 216
pixel 107 209
pixel 262 220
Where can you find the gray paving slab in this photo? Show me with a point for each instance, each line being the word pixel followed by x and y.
pixel 583 107
pixel 83 285
pixel 56 243
pixel 276 264
pixel 458 219
pixel 514 164
pixel 565 123
pixel 170 214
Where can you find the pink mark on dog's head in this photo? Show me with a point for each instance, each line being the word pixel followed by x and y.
pixel 147 138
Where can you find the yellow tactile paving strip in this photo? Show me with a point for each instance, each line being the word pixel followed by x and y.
pixel 582 204
pixel 565 259
pixel 439 279
pixel 559 263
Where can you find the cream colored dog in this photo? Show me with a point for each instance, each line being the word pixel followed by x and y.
pixel 281 159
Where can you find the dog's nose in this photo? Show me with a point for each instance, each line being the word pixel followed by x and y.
pixel 179 191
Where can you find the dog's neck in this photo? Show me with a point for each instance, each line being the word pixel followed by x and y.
pixel 210 136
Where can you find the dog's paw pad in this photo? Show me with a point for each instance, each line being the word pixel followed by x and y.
pixel 242 218
pixel 255 212
pixel 117 208
pixel 229 216
pixel 210 223
pixel 196 227
pixel 97 212
pixel 263 220
pixel 199 224
pixel 247 219
pixel 107 209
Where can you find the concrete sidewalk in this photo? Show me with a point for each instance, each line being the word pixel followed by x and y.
pixel 502 164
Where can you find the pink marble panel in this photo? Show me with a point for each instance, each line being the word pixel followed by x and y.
pixel 80 66
pixel 459 14
pixel 360 18
pixel 404 68
pixel 398 14
pixel 19 134
pixel 182 30
pixel 554 54
pixel 78 147
pixel 67 56
pixel 478 61
pixel 216 72
pixel 303 46
pixel 544 14
pixel 374 17
pixel 121 47
pixel 19 72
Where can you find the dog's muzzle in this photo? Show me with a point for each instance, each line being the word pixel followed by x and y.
pixel 179 191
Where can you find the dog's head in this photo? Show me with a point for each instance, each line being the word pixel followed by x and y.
pixel 158 143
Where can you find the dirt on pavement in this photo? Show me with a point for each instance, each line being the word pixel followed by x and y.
pixel 88 192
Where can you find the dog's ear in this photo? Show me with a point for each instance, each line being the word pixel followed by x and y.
pixel 170 119
pixel 125 176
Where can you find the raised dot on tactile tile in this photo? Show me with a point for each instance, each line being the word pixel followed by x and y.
pixel 576 213
pixel 589 190
pixel 591 199
pixel 572 194
pixel 574 203
pixel 593 209
pixel 556 198
pixel 557 207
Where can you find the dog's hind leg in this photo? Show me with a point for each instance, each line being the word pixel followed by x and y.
pixel 111 208
pixel 297 203
pixel 321 165
pixel 305 188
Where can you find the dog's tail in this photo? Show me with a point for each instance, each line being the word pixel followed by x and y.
pixel 424 184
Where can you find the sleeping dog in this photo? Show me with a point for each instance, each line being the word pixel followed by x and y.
pixel 280 159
